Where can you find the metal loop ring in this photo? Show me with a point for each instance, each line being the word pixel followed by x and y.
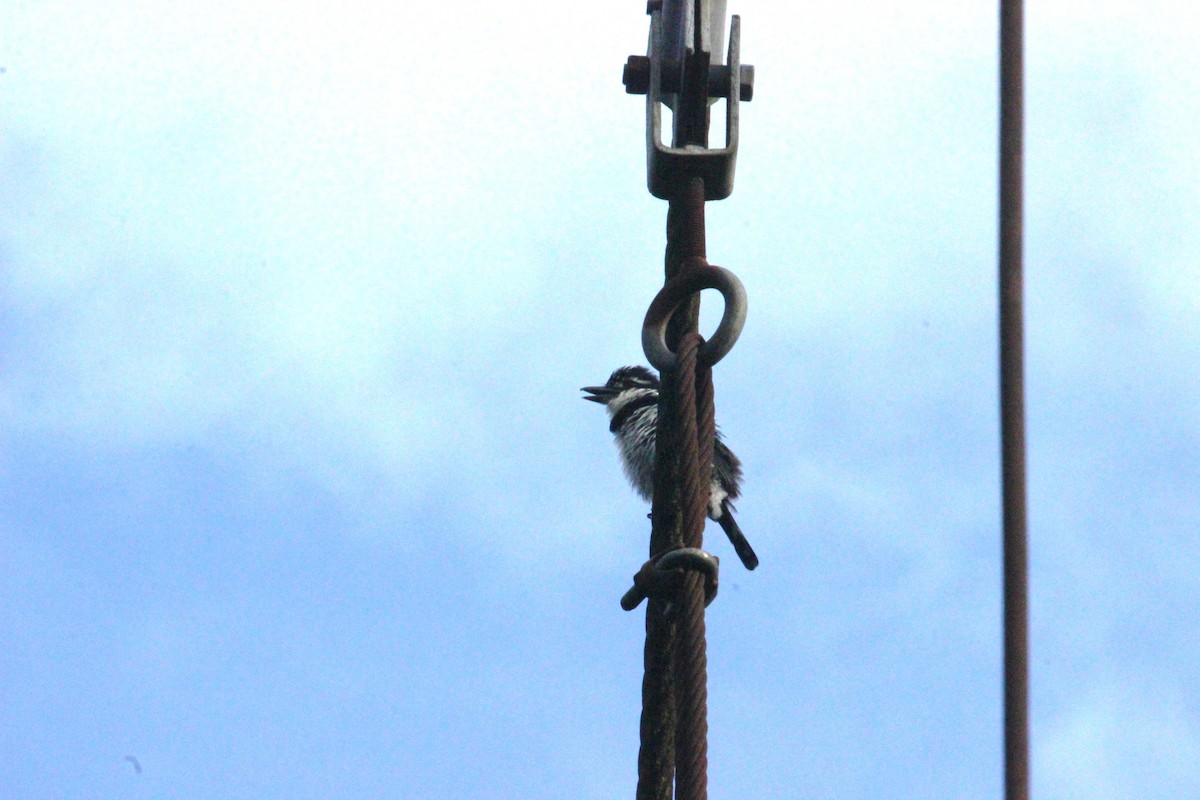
pixel 697 276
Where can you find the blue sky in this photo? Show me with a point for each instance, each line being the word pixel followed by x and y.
pixel 297 496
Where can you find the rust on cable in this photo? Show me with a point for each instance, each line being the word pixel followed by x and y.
pixel 694 385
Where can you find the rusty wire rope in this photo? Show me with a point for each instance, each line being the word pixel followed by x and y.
pixel 697 430
pixel 680 576
pixel 674 722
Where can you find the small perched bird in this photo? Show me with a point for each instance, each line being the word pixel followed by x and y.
pixel 631 397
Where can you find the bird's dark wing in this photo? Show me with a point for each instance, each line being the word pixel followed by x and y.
pixel 727 469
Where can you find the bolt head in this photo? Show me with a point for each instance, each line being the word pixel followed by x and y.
pixel 636 75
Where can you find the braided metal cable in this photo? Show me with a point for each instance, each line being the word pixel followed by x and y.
pixel 656 753
pixel 706 426
pixel 693 494
pixel 659 719
pixel 674 722
pixel 691 657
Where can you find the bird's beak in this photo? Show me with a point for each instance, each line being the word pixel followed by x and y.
pixel 598 394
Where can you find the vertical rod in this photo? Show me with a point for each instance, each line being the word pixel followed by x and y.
pixel 1012 404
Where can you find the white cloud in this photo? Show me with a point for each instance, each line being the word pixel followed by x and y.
pixel 1125 741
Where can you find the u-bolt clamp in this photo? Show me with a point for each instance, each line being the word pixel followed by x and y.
pixel 659 576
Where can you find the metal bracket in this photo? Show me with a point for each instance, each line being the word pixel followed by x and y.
pixel 679 44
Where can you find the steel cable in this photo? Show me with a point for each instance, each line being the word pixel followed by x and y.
pixel 694 385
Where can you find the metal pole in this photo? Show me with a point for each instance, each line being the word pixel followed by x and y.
pixel 1012 405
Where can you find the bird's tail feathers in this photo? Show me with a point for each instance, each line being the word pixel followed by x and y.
pixel 737 538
